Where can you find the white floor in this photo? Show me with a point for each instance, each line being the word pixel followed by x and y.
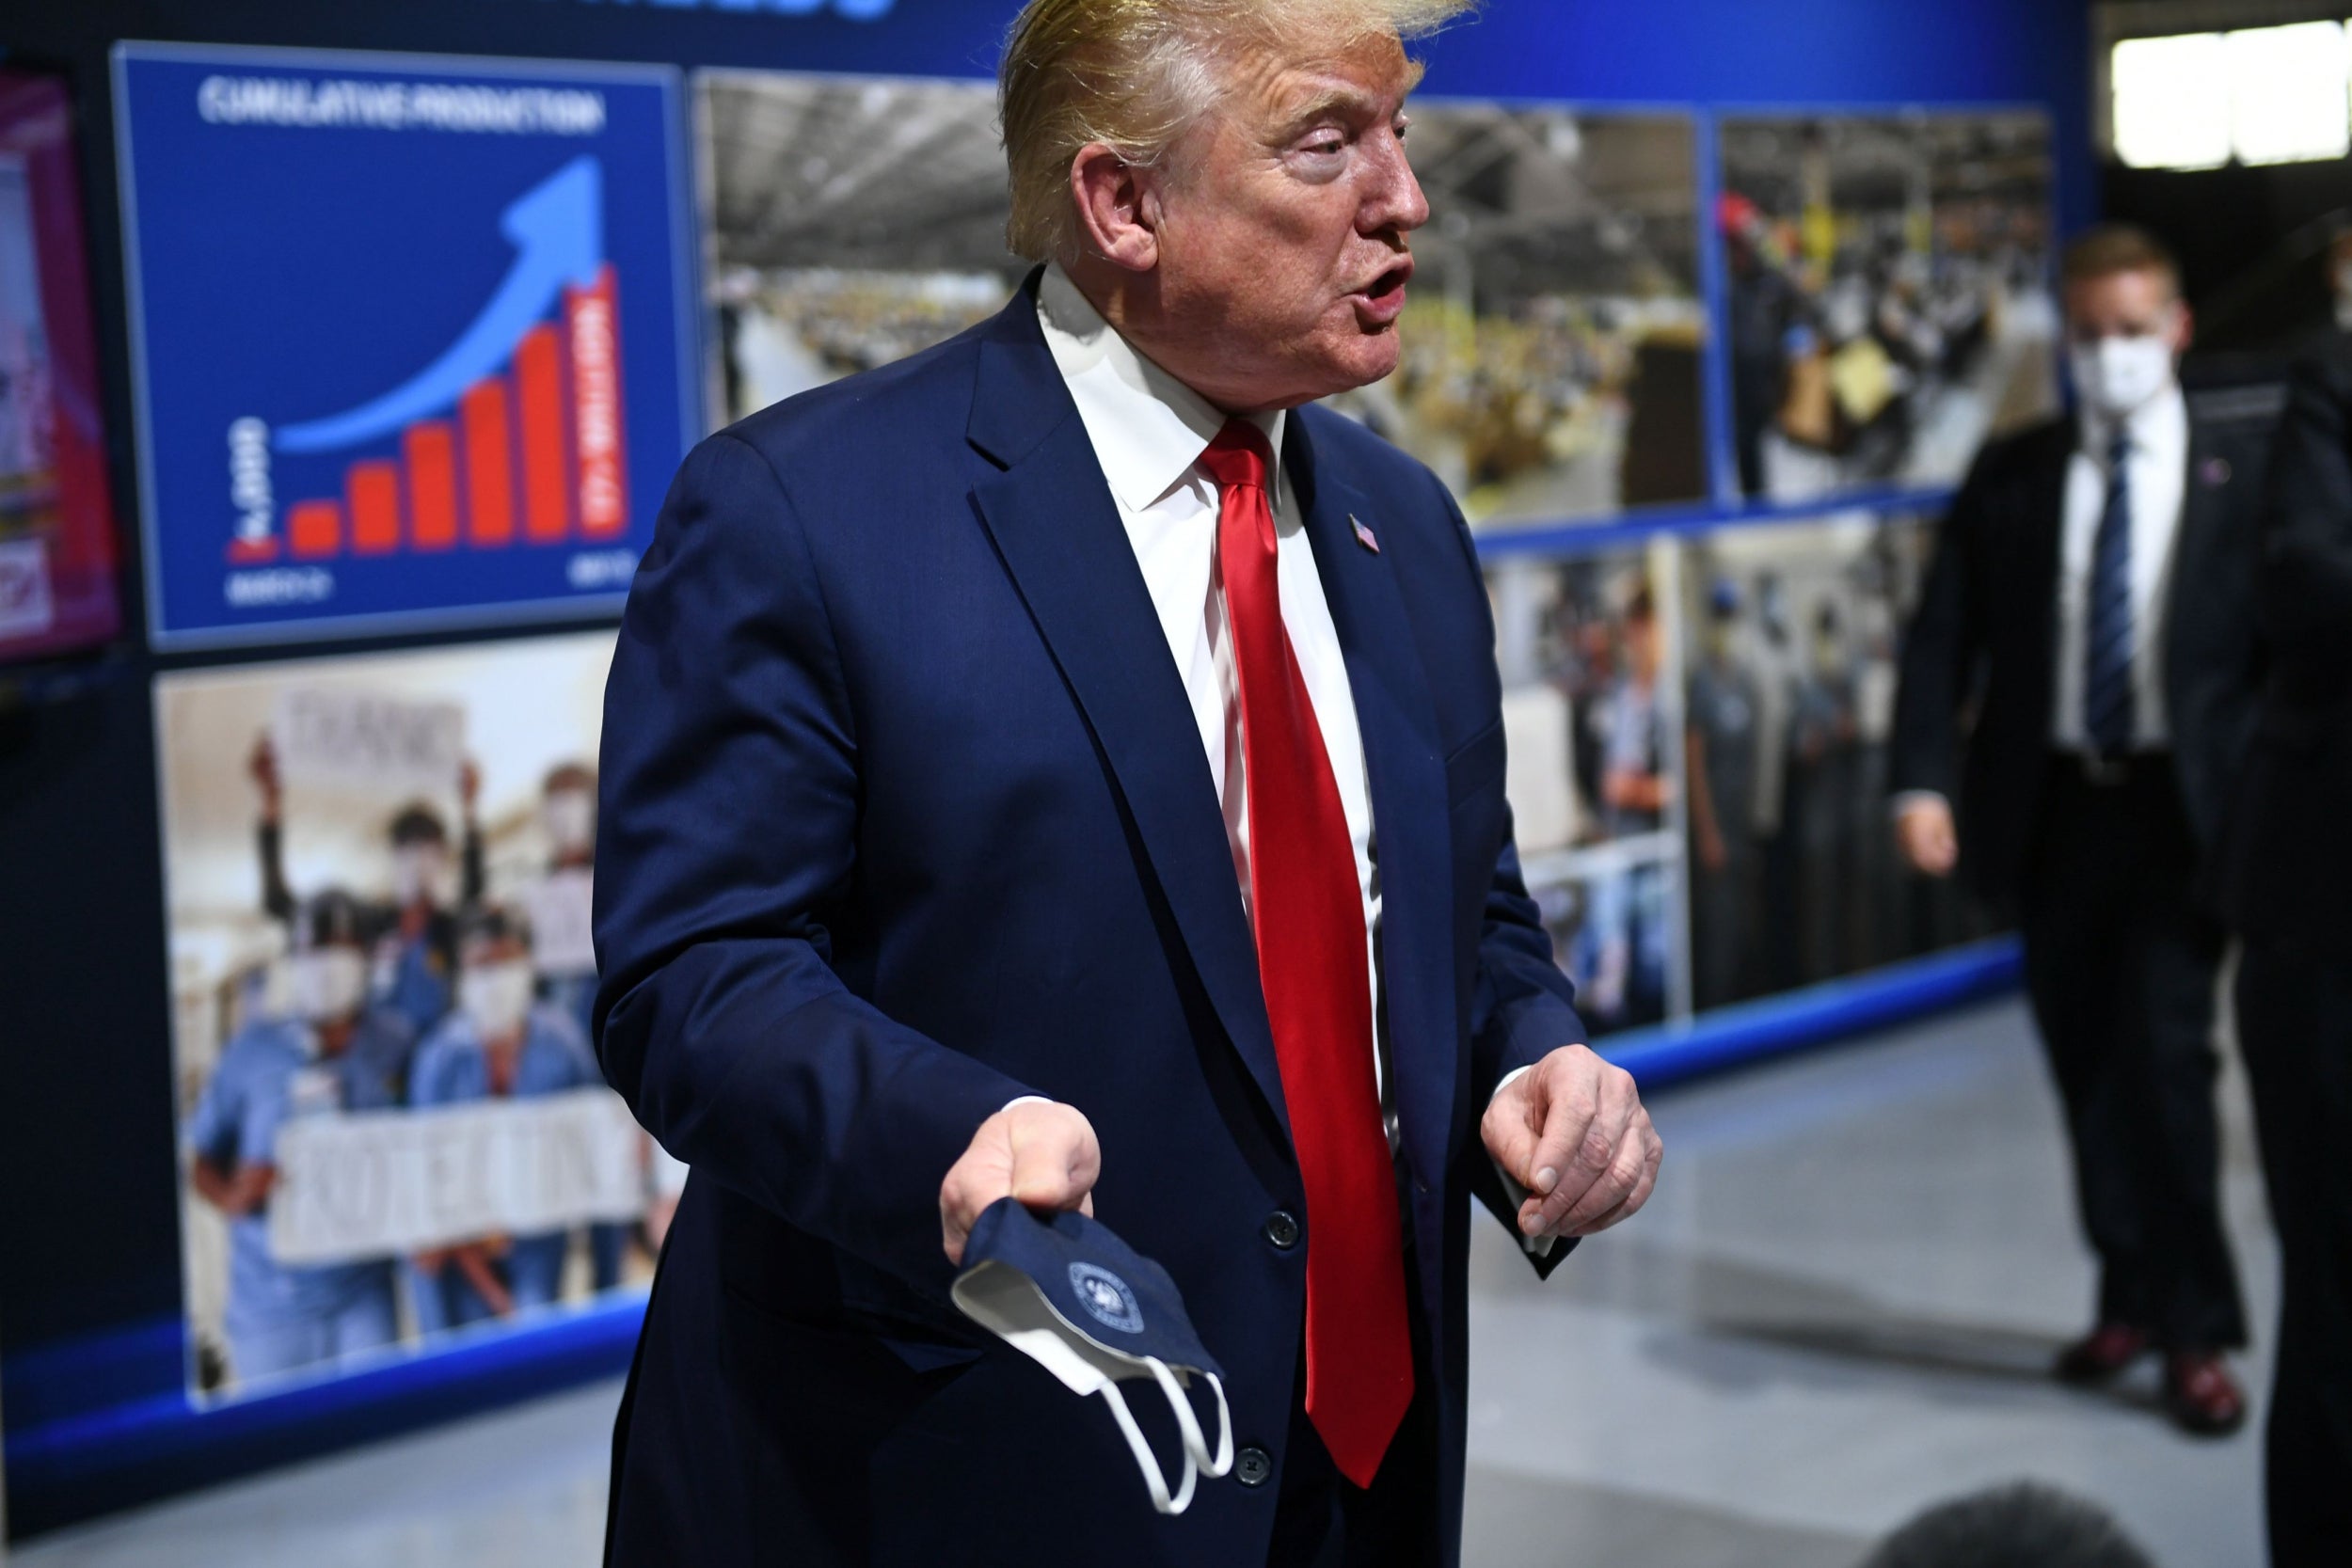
pixel 1837 1311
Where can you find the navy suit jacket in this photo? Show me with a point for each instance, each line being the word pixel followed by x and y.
pixel 905 815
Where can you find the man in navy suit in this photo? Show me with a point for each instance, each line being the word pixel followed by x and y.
pixel 1019 780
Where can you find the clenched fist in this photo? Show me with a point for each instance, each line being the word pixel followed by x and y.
pixel 1037 1150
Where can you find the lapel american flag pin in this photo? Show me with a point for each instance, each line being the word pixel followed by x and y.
pixel 1364 536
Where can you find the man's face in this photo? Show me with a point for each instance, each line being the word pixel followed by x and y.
pixel 2125 305
pixel 2126 330
pixel 1642 650
pixel 1282 251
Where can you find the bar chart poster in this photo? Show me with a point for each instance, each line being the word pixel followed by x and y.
pixel 413 336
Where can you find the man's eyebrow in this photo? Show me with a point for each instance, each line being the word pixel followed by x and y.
pixel 1342 103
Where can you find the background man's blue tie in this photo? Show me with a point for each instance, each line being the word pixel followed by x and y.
pixel 2108 695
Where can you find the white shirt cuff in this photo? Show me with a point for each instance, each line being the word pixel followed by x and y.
pixel 1023 1100
pixel 1906 798
pixel 1535 1247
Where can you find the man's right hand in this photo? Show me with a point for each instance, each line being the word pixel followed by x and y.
pixel 1037 1150
pixel 1923 830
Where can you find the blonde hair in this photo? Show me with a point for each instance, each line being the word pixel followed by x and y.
pixel 1135 74
pixel 2111 247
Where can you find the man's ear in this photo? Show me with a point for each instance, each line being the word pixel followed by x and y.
pixel 2184 329
pixel 1118 209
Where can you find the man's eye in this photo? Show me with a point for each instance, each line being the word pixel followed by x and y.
pixel 1327 145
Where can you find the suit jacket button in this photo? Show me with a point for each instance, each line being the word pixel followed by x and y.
pixel 1252 1466
pixel 1282 1229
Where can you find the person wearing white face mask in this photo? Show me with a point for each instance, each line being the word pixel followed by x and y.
pixel 2089 617
pixel 559 901
pixel 412 937
pixel 333 1053
pixel 497 1043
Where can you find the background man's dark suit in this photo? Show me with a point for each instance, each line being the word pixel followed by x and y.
pixel 2120 958
pixel 904 815
pixel 2286 879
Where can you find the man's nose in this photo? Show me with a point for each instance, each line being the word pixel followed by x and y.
pixel 1396 200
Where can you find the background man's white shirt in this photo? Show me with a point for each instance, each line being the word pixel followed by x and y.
pixel 2157 473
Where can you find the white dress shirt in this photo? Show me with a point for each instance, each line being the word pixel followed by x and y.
pixel 1149 430
pixel 2157 473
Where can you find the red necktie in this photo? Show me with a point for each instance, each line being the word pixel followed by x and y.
pixel 1308 914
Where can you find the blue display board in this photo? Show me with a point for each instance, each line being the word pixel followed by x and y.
pixel 412 335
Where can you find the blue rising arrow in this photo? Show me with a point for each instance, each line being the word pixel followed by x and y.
pixel 557 228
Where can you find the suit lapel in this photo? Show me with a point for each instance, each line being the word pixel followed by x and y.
pixel 2045 515
pixel 1398 720
pixel 2203 495
pixel 1059 534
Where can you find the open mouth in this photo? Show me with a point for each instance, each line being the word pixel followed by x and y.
pixel 1380 301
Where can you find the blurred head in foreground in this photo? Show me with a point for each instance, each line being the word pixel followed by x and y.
pixel 2023 1526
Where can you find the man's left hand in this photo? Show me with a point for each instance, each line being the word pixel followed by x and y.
pixel 1572 1130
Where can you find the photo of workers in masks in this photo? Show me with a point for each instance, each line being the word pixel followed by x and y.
pixel 1788 674
pixel 1552 342
pixel 379 874
pixel 1591 708
pixel 1890 301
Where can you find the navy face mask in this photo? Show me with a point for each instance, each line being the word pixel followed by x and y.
pixel 1094 1312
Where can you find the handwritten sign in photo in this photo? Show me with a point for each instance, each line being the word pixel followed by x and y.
pixel 369 741
pixel 376 1183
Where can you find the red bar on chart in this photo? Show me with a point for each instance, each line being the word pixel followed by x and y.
pixel 592 326
pixel 429 453
pixel 371 489
pixel 314 530
pixel 489 463
pixel 254 552
pixel 539 389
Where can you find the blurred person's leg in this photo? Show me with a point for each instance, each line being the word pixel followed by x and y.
pixel 466 1306
pixel 1783 859
pixel 2295 1027
pixel 428 1298
pixel 1649 941
pixel 2074 968
pixel 368 1321
pixel 2121 967
pixel 534 1269
pixel 2170 1070
pixel 608 1249
pixel 1718 938
pixel 258 1351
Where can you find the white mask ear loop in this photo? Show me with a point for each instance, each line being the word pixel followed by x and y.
pixel 1153 1476
pixel 1196 1447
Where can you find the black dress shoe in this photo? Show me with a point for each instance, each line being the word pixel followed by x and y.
pixel 2201 1396
pixel 2100 1355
